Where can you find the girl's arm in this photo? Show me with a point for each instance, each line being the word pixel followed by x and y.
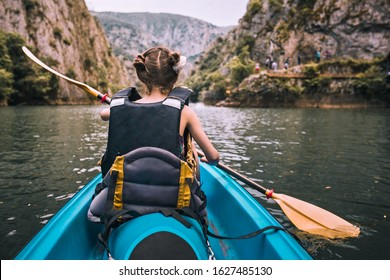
pixel 194 126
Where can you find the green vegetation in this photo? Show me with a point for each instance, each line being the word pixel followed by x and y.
pixel 254 7
pixel 21 81
pixel 311 70
pixel 71 73
pixel 30 5
pixel 282 32
pixel 88 64
pixel 276 4
pixel 57 33
pixel 343 80
pixel 316 85
pixel 241 66
pixel 350 65
pixel 366 77
pixel 372 88
pixel 102 77
pixel 246 42
pixel 33 9
pixel 6 81
pixel 212 81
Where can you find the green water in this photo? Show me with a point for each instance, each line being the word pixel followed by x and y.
pixel 336 159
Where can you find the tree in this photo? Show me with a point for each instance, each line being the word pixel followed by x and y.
pixel 241 66
pixel 22 81
pixel 6 76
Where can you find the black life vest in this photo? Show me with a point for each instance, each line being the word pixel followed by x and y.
pixel 141 165
pixel 133 125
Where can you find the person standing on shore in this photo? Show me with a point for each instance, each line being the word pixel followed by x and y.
pixel 318 56
pixel 274 66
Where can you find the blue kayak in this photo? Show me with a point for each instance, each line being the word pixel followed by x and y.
pixel 232 212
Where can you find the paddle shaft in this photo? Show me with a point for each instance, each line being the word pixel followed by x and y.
pixel 243 178
pixel 239 176
pixel 102 97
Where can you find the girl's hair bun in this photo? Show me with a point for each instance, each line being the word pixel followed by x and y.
pixel 139 61
pixel 174 58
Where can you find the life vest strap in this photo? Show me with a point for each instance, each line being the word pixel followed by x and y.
pixel 113 222
pixel 167 212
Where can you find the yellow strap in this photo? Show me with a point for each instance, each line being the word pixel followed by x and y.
pixel 118 198
pixel 184 195
pixel 190 159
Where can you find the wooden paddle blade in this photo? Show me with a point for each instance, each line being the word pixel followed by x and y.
pixel 313 219
pixel 83 86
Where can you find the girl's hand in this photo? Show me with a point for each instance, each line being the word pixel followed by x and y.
pixel 105 114
pixel 204 159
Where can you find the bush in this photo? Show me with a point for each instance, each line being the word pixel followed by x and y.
pixel 241 66
pixel 254 7
pixel 247 41
pixel 30 5
pixel 310 70
pixel 57 33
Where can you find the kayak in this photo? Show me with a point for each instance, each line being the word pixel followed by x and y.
pixel 233 214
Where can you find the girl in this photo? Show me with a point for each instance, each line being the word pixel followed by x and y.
pixel 158 69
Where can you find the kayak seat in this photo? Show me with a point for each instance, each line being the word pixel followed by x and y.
pixel 163 245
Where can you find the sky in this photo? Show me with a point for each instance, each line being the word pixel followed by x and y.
pixel 217 12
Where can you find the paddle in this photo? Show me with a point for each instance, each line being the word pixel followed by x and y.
pixel 303 215
pixel 103 97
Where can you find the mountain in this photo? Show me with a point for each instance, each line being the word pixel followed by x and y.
pixel 64 35
pixel 352 38
pixel 133 33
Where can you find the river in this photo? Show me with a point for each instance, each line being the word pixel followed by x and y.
pixel 336 159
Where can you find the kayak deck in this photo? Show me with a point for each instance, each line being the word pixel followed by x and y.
pixel 232 212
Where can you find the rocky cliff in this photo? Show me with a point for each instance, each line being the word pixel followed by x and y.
pixel 339 33
pixel 69 39
pixel 350 29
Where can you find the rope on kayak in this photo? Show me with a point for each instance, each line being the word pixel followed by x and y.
pixel 249 235
pixel 206 232
pixel 204 224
